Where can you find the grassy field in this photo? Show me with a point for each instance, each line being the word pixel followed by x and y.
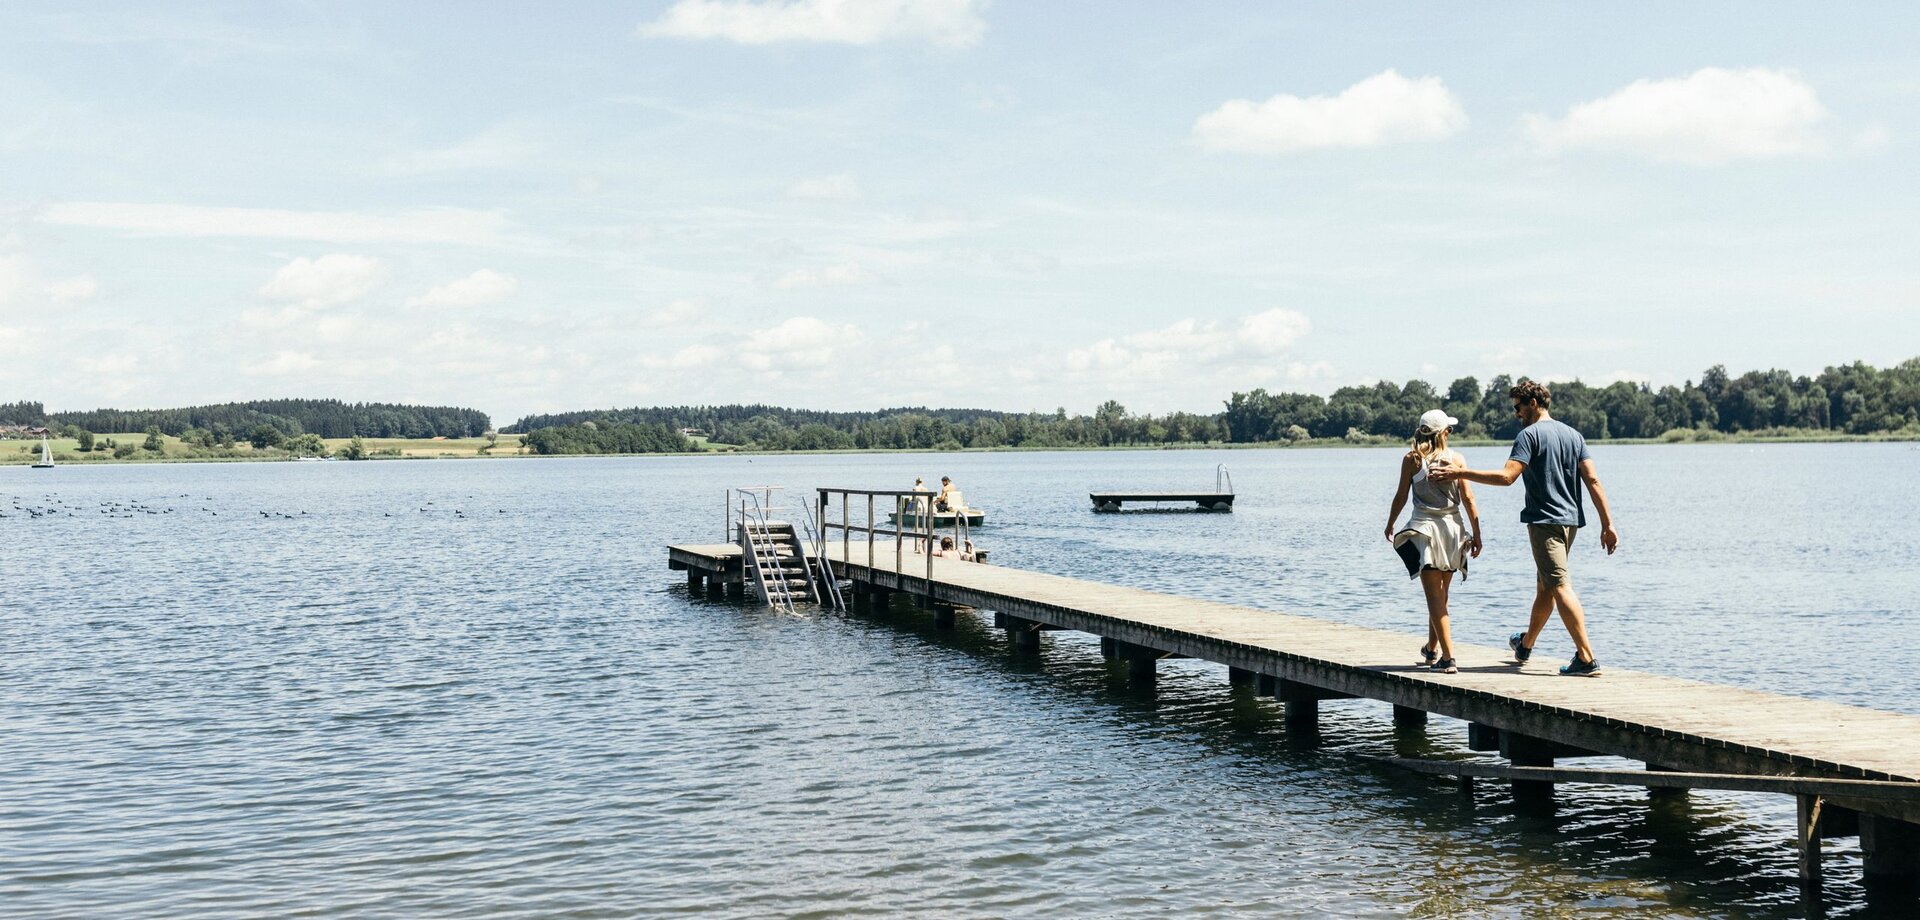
pixel 508 445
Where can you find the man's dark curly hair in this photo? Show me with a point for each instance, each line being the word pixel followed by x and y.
pixel 1527 391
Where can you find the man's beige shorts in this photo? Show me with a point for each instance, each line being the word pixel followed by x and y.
pixel 1550 542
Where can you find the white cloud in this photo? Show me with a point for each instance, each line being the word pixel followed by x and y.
pixel 837 187
pixel 16 277
pixel 331 279
pixel 1187 344
pixel 482 287
pixel 71 290
pixel 495 148
pixel 829 276
pixel 695 356
pixel 1385 108
pixel 1708 117
pixel 684 311
pixel 427 225
pixel 284 364
pixel 22 281
pixel 802 341
pixel 955 23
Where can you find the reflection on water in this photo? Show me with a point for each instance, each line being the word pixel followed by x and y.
pixel 473 689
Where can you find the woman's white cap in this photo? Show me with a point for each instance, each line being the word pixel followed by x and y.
pixel 1435 420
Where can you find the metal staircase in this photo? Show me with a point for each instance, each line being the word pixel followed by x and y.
pixel 775 563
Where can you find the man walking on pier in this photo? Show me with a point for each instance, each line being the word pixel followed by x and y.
pixel 1552 460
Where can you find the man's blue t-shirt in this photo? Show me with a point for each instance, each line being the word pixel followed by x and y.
pixel 1552 452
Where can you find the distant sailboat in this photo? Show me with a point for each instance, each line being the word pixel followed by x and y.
pixel 46 455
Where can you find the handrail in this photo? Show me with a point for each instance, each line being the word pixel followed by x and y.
pixel 817 536
pixel 777 594
pixel 1218 472
pixel 926 535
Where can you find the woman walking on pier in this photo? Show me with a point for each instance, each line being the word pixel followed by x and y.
pixel 1436 542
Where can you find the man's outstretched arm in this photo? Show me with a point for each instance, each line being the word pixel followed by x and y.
pixel 1609 535
pixel 1500 477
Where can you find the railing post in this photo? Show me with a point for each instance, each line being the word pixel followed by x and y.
pixel 899 538
pixel 929 548
pixel 869 531
pixel 846 535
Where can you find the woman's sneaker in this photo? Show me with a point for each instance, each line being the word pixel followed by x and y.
pixel 1580 668
pixel 1427 657
pixel 1520 652
pixel 1445 666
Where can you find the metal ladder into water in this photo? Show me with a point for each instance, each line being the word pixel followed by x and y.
pixel 780 577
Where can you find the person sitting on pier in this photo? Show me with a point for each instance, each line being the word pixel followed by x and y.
pixel 1435 543
pixel 948 551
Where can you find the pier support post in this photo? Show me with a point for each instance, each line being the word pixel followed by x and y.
pixel 943 617
pixel 1303 707
pixel 1239 677
pixel 1409 717
pixel 1526 751
pixel 1807 838
pixel 1266 685
pixel 1657 792
pixel 1890 849
pixel 1024 633
pixel 1142 662
pixel 1109 648
pixel 696 579
pixel 736 589
pixel 1482 737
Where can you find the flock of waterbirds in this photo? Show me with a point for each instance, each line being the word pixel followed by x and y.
pixel 50 506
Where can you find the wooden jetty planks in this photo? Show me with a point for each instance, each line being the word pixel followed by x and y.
pixel 1113 500
pixel 1798 732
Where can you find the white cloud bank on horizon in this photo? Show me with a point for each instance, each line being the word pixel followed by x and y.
pixel 1707 118
pixel 482 287
pixel 1385 108
pixel 1175 349
pixel 332 279
pixel 954 23
pixel 424 225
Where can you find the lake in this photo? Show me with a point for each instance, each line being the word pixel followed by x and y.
pixel 473 689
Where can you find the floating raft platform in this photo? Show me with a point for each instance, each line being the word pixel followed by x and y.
pixel 1205 501
pixel 1529 714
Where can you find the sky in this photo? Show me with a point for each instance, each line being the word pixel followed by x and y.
pixel 856 204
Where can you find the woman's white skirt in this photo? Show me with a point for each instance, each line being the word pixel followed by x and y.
pixel 1440 541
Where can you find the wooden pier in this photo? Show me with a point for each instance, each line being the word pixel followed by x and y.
pixel 1531 715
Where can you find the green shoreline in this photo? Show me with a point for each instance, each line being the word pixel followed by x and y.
pixel 1318 444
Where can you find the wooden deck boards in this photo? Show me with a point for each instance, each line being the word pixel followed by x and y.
pixel 1869 741
pixel 1765 732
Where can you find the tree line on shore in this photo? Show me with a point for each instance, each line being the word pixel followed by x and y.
pixel 327 418
pixel 1854 399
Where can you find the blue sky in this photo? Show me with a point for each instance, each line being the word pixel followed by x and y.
pixel 853 204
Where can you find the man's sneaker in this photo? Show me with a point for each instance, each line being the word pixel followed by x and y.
pixel 1580 668
pixel 1520 652
pixel 1445 666
pixel 1427 657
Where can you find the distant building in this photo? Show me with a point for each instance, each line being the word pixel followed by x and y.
pixel 14 432
pixel 693 433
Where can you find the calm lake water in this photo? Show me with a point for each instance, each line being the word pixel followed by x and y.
pixel 473 689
